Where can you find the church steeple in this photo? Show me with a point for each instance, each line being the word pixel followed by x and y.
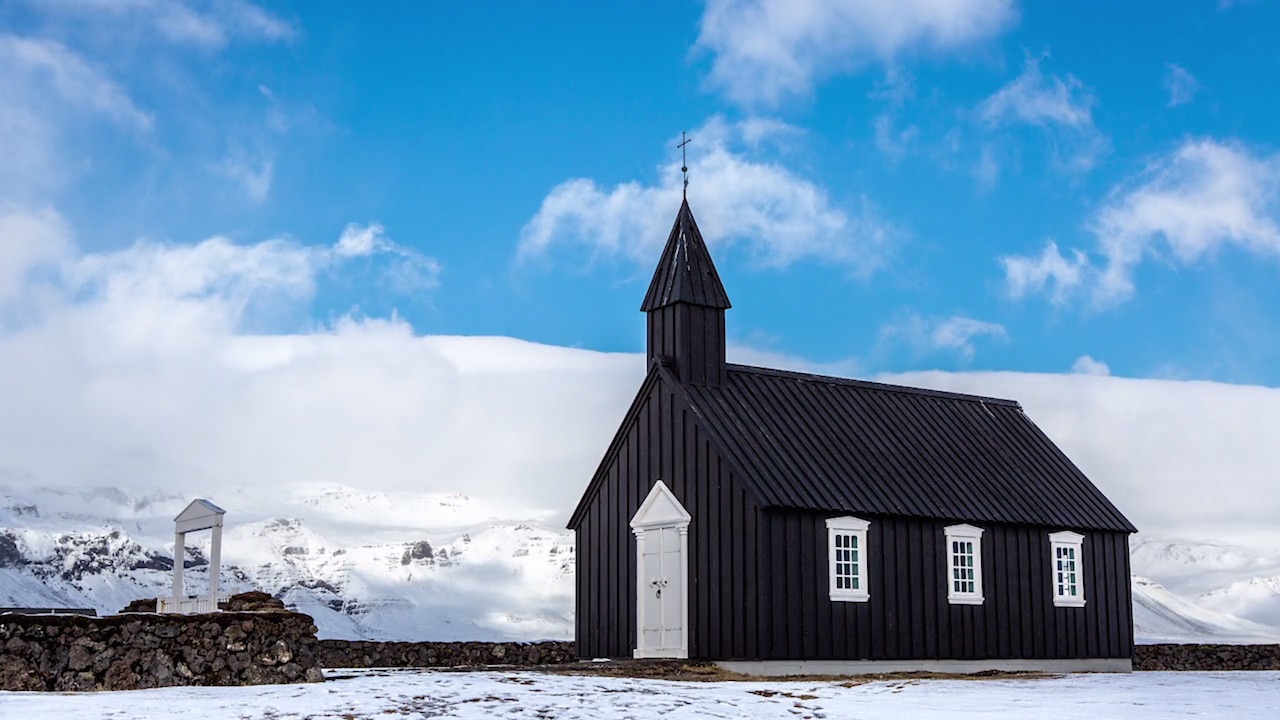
pixel 686 305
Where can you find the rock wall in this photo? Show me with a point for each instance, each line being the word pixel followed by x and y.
pixel 364 653
pixel 1206 657
pixel 132 651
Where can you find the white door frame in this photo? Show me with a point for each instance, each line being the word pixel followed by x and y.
pixel 661 510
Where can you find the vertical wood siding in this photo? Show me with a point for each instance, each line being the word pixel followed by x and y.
pixel 691 339
pixel 908 616
pixel 664 443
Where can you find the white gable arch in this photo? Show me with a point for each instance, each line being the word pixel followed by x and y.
pixel 199 515
pixel 660 508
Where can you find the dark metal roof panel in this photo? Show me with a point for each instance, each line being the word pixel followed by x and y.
pixel 831 444
pixel 685 272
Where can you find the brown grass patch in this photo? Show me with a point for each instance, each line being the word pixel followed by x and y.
pixel 705 671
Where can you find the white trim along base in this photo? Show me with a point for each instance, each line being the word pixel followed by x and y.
pixel 783 668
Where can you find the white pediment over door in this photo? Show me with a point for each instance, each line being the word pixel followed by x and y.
pixel 660 508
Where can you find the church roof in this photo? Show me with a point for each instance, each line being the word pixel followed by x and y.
pixel 685 273
pixel 830 444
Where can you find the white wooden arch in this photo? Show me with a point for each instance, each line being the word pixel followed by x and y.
pixel 199 515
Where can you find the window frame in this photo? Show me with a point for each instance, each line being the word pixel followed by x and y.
pixel 857 528
pixel 1066 539
pixel 963 533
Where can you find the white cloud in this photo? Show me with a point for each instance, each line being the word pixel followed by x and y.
pixel 1062 107
pixel 212 23
pixel 1036 99
pixel 29 241
pixel 1027 275
pixel 934 334
pixel 411 271
pixel 50 68
pixel 1183 207
pixel 1086 365
pixel 1205 195
pixel 987 169
pixel 151 372
pixel 1182 85
pixel 47 89
pixel 216 282
pixel 778 215
pixel 766 51
pixel 253 175
pixel 897 88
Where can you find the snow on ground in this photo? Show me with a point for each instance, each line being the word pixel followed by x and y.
pixel 412 694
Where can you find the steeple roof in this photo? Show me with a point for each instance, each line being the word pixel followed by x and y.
pixel 685 273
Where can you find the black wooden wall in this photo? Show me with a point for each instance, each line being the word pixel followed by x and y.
pixel 662 442
pixel 908 616
pixel 691 338
pixel 758 579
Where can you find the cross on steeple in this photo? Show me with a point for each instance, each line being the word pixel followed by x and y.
pixel 684 161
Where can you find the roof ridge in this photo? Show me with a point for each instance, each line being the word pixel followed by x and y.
pixel 871 385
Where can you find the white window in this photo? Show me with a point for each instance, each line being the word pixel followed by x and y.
pixel 1068 568
pixel 847 558
pixel 964 565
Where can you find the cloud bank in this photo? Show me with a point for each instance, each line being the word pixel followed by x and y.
pixel 148 368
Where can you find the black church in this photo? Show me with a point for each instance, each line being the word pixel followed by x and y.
pixel 785 523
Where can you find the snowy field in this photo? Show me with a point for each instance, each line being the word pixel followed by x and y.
pixel 413 694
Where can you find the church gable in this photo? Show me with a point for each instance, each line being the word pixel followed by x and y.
pixel 643 450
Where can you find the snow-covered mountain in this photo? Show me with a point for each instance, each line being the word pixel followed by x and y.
pixel 1234 579
pixel 454 572
pixel 425 566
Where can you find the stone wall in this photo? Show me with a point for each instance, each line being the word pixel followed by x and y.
pixel 131 651
pixel 364 653
pixel 1206 657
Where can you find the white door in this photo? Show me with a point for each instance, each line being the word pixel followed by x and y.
pixel 661 591
pixel 661 526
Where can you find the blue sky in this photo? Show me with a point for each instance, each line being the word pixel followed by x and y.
pixel 886 186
